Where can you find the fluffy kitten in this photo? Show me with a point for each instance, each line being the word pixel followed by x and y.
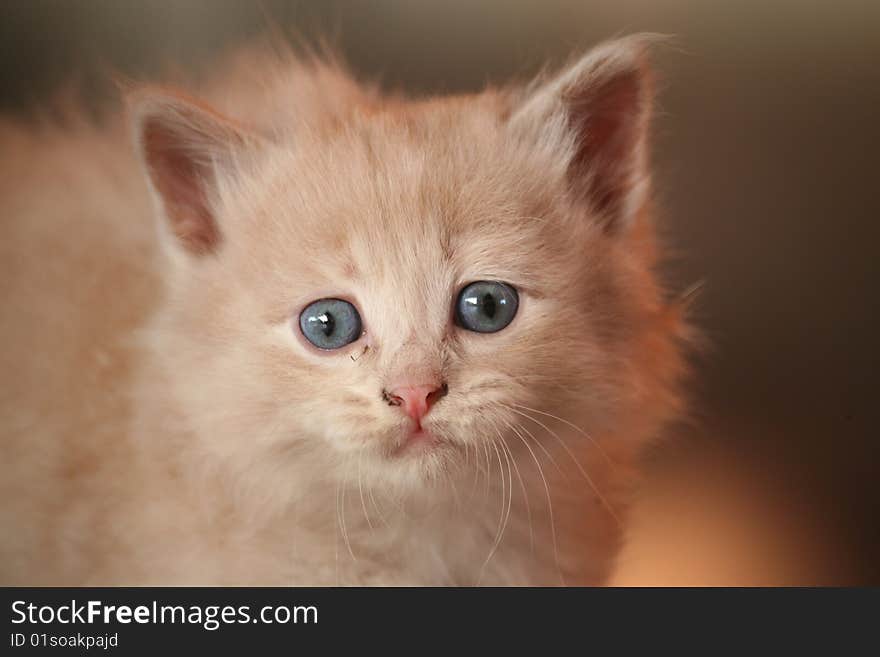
pixel 166 418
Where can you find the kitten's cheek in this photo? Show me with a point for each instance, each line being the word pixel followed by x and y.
pixel 351 437
pixel 340 442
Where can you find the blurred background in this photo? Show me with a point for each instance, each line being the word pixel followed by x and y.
pixel 766 149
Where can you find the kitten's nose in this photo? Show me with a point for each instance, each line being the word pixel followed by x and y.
pixel 416 400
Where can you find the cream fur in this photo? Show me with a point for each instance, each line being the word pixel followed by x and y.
pixel 163 423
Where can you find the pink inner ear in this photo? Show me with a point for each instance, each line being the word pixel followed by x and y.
pixel 181 177
pixel 608 119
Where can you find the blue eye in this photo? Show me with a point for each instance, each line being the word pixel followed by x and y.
pixel 486 306
pixel 330 323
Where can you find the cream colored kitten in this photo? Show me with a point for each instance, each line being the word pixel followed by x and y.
pixel 464 404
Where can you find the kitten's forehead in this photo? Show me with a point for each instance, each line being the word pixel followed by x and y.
pixel 422 185
pixel 404 208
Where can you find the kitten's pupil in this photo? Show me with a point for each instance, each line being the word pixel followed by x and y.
pixel 327 323
pixel 489 305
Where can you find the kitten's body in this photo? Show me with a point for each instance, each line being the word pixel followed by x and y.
pixel 159 426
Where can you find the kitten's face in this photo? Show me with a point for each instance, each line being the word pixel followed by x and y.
pixel 393 216
pixel 397 226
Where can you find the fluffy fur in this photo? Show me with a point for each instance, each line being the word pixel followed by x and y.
pixel 162 420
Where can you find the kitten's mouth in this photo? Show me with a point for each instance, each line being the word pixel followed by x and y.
pixel 416 440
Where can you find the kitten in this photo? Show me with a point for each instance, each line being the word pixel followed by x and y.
pixel 306 334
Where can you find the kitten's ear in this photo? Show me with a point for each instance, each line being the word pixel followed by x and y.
pixel 187 150
pixel 595 115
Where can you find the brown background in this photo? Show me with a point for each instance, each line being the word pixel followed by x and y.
pixel 768 158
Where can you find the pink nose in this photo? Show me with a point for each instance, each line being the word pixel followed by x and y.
pixel 416 400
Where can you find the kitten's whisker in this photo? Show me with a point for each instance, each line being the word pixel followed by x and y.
pixel 361 491
pixel 503 486
pixel 549 500
pixel 504 496
pixel 342 512
pixel 336 535
pixel 473 490
pixel 450 478
pixel 577 463
pixel 525 493
pixel 488 469
pixel 540 446
pixel 501 520
pixel 376 506
pixel 573 426
pixel 509 482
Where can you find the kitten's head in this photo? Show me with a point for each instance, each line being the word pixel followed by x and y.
pixel 394 285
